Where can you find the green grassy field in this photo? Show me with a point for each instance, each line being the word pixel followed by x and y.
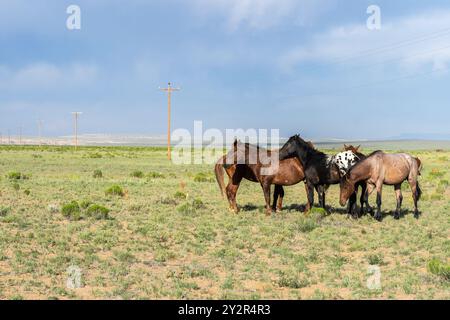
pixel 169 233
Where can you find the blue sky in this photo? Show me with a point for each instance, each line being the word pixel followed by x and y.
pixel 307 66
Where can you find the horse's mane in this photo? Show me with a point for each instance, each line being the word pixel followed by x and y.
pixel 355 150
pixel 309 147
pixel 358 164
pixel 249 145
pixel 375 152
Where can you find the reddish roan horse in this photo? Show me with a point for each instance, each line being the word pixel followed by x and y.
pixel 288 173
pixel 380 168
pixel 364 199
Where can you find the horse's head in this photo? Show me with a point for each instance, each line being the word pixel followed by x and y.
pixel 296 147
pixel 345 160
pixel 351 148
pixel 347 189
pixel 289 149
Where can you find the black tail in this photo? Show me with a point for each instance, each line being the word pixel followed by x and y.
pixel 418 191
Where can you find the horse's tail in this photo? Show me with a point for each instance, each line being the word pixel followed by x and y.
pixel 419 166
pixel 218 170
pixel 418 191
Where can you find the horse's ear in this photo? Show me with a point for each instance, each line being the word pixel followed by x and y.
pixel 357 148
pixel 345 146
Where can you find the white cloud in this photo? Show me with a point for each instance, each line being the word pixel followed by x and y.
pixel 262 14
pixel 40 76
pixel 412 42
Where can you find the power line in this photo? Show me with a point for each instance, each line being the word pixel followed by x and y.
pixel 410 76
pixel 390 47
pixel 423 53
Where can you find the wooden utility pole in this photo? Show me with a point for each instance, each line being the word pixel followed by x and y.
pixel 75 127
pixel 169 91
pixel 40 132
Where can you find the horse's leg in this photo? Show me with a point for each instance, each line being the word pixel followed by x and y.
pixel 310 195
pixel 323 189
pixel 266 189
pixel 280 199
pixel 365 200
pixel 232 188
pixel 399 197
pixel 276 194
pixel 351 209
pixel 369 189
pixel 319 190
pixel 416 192
pixel 378 215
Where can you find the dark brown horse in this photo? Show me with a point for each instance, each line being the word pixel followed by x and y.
pixel 380 168
pixel 320 169
pixel 238 166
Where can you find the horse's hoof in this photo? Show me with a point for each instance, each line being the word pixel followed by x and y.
pixel 396 216
pixel 279 211
pixel 378 217
pixel 416 215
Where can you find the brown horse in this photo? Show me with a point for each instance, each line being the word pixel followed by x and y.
pixel 380 168
pixel 289 172
pixel 364 196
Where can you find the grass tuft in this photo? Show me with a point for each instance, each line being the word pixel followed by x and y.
pixel 115 190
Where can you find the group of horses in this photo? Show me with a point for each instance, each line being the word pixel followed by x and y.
pixel 298 160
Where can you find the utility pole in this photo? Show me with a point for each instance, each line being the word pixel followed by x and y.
pixel 169 91
pixel 20 135
pixel 75 124
pixel 9 137
pixel 40 131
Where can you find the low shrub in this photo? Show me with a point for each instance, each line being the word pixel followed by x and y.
pixel 85 204
pixel 16 175
pixel 115 190
pixel 95 155
pixel 203 177
pixel 306 224
pixel 137 174
pixel 180 195
pixel 4 211
pixel 97 174
pixel 292 281
pixel 191 207
pixel 375 259
pixel 76 211
pixel 155 175
pixel 98 212
pixel 440 269
pixel 72 211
